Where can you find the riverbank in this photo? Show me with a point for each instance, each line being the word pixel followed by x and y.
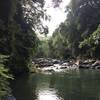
pixel 56 65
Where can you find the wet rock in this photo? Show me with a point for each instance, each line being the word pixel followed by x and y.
pixel 55 61
pixel 49 70
pixel 64 67
pixel 97 67
pixel 10 97
pixel 85 66
pixel 96 63
pixel 65 64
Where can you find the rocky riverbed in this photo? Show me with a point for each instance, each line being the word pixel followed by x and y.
pixel 56 65
pixel 89 64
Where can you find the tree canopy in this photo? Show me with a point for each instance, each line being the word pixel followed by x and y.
pixel 80 31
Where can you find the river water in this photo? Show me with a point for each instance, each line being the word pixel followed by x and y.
pixel 72 85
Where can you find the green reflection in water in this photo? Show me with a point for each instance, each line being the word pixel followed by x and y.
pixel 75 85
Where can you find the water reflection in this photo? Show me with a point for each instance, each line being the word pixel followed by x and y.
pixel 48 95
pixel 82 85
pixel 45 87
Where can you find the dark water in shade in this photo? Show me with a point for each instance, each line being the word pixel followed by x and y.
pixel 74 85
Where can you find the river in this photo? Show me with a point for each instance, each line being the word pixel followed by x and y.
pixel 72 85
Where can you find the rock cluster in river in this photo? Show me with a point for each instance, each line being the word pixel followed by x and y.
pixel 55 65
pixel 89 64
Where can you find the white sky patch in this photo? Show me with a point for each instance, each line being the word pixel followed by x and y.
pixel 57 15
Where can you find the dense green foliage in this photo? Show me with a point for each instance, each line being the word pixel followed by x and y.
pixel 17 37
pixel 4 76
pixel 19 21
pixel 79 35
pixel 59 46
pixel 43 49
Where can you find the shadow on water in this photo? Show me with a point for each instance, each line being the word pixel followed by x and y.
pixel 81 85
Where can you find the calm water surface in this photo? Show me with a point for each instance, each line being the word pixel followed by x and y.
pixel 74 85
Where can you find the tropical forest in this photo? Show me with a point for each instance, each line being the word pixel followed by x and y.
pixel 49 49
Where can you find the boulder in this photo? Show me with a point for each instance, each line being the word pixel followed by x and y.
pixel 10 97
pixel 95 65
pixel 86 66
